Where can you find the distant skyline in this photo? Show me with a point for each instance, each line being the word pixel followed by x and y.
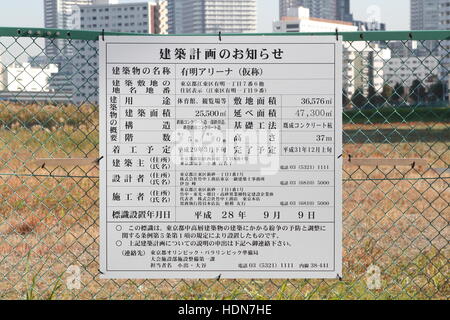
pixel 29 13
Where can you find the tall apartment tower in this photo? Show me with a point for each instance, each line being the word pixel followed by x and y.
pixel 211 16
pixel 425 14
pixel 136 17
pixel 343 11
pixel 444 15
pixel 324 9
pixel 57 15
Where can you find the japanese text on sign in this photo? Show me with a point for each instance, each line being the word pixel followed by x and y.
pixel 221 158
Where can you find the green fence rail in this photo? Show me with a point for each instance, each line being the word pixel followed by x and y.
pixel 416 35
pixel 395 218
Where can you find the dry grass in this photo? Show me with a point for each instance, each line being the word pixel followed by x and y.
pixel 46 116
pixel 50 223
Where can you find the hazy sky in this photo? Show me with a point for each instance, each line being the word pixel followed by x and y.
pixel 29 13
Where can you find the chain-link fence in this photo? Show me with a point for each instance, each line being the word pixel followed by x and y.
pixel 395 213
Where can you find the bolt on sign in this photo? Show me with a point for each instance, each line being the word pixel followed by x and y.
pixel 221 157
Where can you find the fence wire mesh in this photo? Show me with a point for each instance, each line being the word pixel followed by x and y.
pixel 395 219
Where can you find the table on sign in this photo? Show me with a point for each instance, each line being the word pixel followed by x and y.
pixel 218 151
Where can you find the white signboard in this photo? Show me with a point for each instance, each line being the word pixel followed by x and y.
pixel 221 157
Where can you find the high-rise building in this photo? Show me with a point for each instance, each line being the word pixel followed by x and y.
pixel 211 16
pixel 444 19
pixel 136 17
pixel 425 14
pixel 57 15
pixel 343 11
pixel 139 17
pixel 324 9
